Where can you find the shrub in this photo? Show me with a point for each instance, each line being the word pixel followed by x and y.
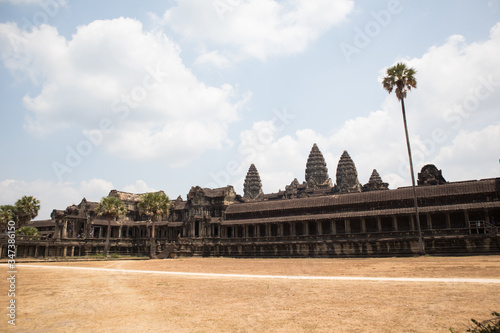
pixel 488 326
pixel 28 231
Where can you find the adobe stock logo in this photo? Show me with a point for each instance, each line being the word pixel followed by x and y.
pixel 120 110
pixel 48 10
pixel 454 119
pixel 373 28
pixel 249 151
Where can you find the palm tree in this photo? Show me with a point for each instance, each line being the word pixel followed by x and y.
pixel 155 205
pixel 111 208
pixel 401 79
pixel 26 209
pixel 7 213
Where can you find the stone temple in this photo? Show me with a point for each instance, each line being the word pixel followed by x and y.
pixel 314 218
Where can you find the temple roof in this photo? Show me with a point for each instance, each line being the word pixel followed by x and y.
pixel 430 175
pixel 252 188
pixel 316 169
pixel 397 195
pixel 375 183
pixel 347 175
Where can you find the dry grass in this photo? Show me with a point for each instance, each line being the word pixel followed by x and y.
pixel 92 301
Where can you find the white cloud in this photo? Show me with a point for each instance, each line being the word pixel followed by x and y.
pixel 36 2
pixel 53 195
pixel 139 186
pixel 114 70
pixel 456 79
pixel 452 116
pixel 254 29
pixel 59 195
pixel 473 153
pixel 213 58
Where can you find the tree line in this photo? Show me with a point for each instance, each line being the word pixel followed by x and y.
pixel 23 211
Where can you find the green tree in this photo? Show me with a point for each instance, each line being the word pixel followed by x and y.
pixel 111 208
pixel 154 205
pixel 7 213
pixel 401 79
pixel 26 209
pixel 27 231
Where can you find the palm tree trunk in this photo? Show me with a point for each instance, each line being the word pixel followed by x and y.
pixel 420 240
pixel 106 245
pixel 152 247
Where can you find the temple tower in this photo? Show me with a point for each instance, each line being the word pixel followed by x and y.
pixel 347 176
pixel 375 183
pixel 316 169
pixel 430 175
pixel 252 188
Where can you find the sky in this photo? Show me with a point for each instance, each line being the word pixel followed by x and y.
pixel 166 95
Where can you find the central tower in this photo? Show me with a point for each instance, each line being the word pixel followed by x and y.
pixel 316 170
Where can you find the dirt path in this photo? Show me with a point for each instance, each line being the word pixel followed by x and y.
pixel 285 277
pixel 422 294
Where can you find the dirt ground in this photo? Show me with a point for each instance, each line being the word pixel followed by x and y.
pixel 68 300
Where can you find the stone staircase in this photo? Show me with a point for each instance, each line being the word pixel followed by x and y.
pixel 174 250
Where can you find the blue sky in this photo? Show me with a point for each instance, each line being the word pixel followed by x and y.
pixel 165 95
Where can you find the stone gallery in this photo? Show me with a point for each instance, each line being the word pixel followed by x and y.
pixel 316 218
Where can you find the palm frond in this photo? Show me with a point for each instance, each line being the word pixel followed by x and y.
pixel 401 79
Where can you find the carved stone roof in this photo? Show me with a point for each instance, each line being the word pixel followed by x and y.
pixel 128 197
pixel 347 176
pixel 375 183
pixel 316 169
pixel 226 193
pixel 125 196
pixel 364 213
pixel 448 191
pixel 252 188
pixel 178 204
pixel 430 175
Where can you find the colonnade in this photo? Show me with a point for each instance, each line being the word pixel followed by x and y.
pixel 353 225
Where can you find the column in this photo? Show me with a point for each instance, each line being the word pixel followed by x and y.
pixel 448 221
pixel 120 231
pixel 379 224
pixel 36 251
pixel 429 221
pixel 293 229
pixel 46 251
pixel 305 227
pixel 486 216
pixel 64 229
pixel 268 230
pixel 65 249
pixel 467 221
pixel 412 222
pixel 280 230
pixel 57 231
pixel 394 223
pixel 333 227
pixel 363 225
pixel 347 226
pixel 1 249
pixel 72 251
pixel 319 227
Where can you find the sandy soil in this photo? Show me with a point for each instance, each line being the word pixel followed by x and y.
pixel 58 300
